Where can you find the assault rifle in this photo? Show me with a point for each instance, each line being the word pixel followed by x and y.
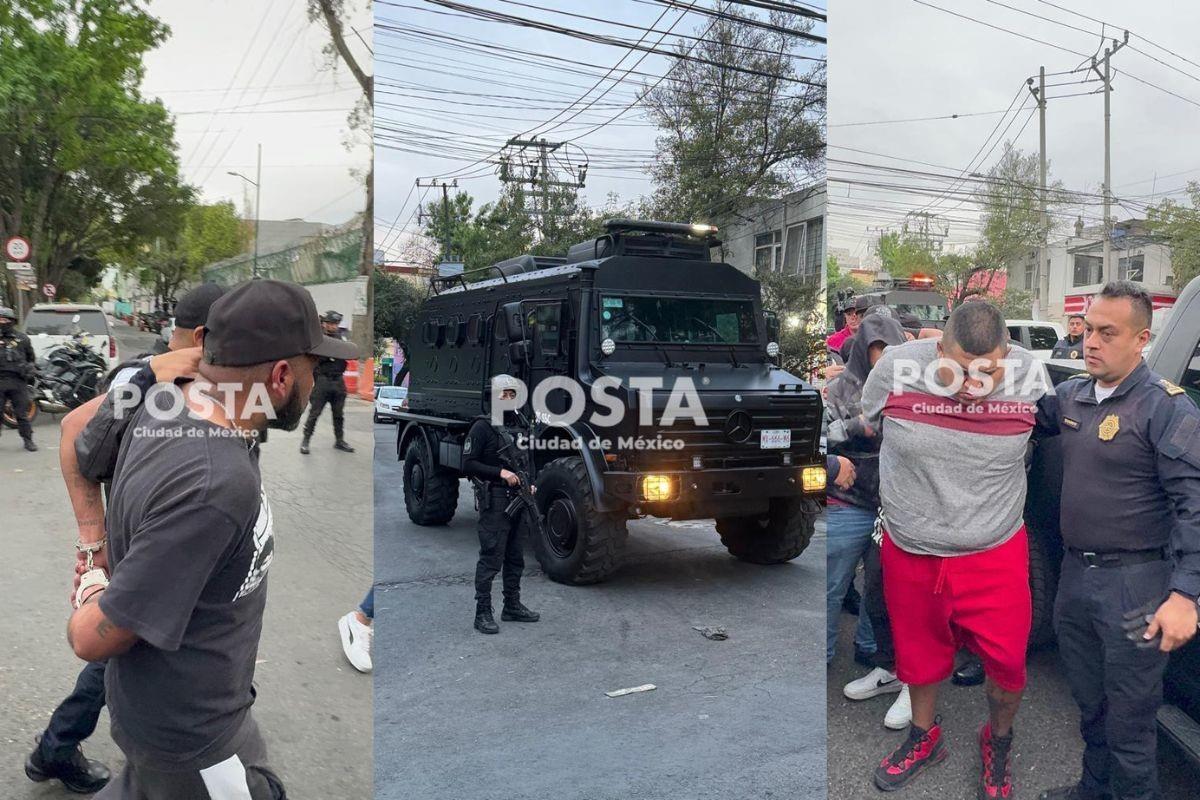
pixel 519 461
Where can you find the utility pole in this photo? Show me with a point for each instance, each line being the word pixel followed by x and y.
pixel 518 165
pixel 447 244
pixel 257 208
pixel 1041 272
pixel 1106 76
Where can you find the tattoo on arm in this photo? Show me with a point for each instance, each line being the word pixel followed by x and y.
pixel 103 627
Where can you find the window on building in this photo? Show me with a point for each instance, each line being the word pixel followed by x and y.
pixel 1088 270
pixel 1030 268
pixel 768 251
pixel 1132 268
pixel 815 236
pixel 793 250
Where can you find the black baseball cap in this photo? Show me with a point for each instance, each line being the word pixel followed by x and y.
pixel 267 320
pixel 192 309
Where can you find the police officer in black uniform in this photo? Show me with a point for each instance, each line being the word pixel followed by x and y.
pixel 1071 345
pixel 1131 530
pixel 16 368
pixel 499 535
pixel 329 388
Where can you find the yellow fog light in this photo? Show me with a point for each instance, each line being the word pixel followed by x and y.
pixel 658 487
pixel 813 479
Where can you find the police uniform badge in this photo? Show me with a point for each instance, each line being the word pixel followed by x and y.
pixel 1170 388
pixel 1074 354
pixel 1109 427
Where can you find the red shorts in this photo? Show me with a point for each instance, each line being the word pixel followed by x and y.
pixel 980 601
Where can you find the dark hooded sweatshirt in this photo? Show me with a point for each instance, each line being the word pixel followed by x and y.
pixel 843 407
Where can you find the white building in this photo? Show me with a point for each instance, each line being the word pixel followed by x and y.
pixel 784 234
pixel 1076 270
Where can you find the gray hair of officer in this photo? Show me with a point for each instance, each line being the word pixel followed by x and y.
pixel 976 327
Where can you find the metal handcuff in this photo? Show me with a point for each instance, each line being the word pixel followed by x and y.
pixel 92 576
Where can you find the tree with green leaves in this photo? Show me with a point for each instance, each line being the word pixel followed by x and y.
pixel 794 299
pixel 205 234
pixel 1179 226
pixel 737 118
pixel 398 302
pixel 85 159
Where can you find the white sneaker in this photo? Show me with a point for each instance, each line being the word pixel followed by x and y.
pixel 876 682
pixel 356 641
pixel 899 716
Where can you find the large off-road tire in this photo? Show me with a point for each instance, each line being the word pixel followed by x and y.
pixel 772 538
pixel 578 544
pixel 1044 558
pixel 430 492
pixel 10 421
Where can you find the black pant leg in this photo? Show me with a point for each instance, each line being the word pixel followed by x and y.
pixel 876 609
pixel 75 718
pixel 514 559
pixel 1133 681
pixel 337 405
pixel 1080 649
pixel 493 535
pixel 317 404
pixel 16 392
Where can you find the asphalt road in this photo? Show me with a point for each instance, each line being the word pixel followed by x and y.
pixel 1047 746
pixel 313 707
pixel 523 714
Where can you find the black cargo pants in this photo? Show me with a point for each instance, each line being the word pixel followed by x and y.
pixel 331 392
pixel 75 718
pixel 500 546
pixel 1117 686
pixel 14 390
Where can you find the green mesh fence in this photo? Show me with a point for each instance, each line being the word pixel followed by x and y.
pixel 326 260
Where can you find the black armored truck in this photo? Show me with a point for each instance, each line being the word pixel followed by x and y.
pixel 654 389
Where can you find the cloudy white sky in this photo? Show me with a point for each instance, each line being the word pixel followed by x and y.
pixel 451 89
pixel 236 73
pixel 901 59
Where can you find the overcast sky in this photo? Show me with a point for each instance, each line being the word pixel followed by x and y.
pixel 440 107
pixel 236 73
pixel 899 59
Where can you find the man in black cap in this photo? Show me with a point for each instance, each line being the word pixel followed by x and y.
pixel 57 753
pixel 190 542
pixel 331 389
pixel 16 367
pixel 1071 345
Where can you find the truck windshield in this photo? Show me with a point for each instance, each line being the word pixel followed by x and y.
pixel 677 320
pixel 927 313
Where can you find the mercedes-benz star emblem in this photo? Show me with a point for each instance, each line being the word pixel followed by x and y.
pixel 738 427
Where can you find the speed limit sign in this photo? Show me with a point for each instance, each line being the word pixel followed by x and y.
pixel 17 248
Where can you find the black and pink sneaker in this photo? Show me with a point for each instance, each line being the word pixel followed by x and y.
pixel 921 750
pixel 995 781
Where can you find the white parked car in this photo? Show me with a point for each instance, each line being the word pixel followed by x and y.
pixel 1036 336
pixel 50 324
pixel 389 400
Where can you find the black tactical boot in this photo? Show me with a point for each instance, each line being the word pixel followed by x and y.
pixel 30 446
pixel 304 445
pixel 484 622
pixel 343 445
pixel 77 773
pixel 969 673
pixel 515 612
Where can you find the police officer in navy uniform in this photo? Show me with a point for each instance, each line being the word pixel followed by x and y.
pixel 16 367
pixel 1071 345
pixel 500 545
pixel 329 388
pixel 1131 529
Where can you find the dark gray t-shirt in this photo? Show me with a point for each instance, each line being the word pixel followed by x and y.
pixel 191 542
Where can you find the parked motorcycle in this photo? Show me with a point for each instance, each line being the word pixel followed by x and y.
pixel 67 377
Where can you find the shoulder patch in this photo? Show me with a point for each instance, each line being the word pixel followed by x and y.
pixel 1169 387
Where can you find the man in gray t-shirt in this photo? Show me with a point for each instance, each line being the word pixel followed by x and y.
pixel 191 542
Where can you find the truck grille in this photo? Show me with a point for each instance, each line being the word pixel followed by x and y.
pixel 723 446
